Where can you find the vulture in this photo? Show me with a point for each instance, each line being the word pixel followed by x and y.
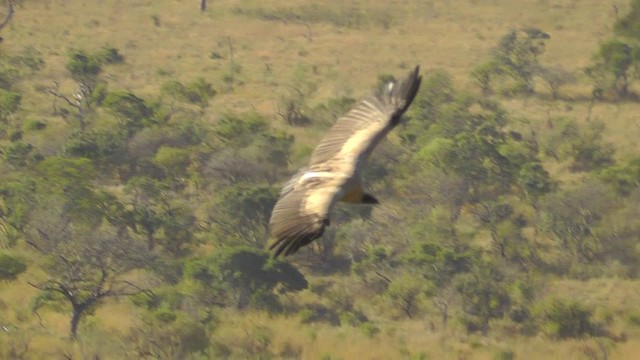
pixel 334 173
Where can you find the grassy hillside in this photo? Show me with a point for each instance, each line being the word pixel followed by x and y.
pixel 143 192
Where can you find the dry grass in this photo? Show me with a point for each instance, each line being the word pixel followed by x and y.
pixel 453 36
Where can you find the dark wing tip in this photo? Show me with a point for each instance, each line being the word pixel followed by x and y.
pixel 301 232
pixel 402 94
pixel 406 91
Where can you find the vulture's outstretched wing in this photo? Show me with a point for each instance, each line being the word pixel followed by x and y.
pixel 302 212
pixel 357 133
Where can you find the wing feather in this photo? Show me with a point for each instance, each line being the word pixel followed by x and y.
pixel 301 215
pixel 356 133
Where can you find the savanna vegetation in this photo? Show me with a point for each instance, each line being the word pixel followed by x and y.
pixel 143 145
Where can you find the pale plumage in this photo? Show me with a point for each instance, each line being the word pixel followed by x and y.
pixel 334 172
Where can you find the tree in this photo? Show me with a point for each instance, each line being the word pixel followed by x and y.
pixel 534 181
pixel 629 25
pixel 84 68
pixel 484 296
pixel 163 218
pixel 173 160
pixel 584 145
pixel 624 177
pixel 517 54
pixel 11 266
pixel 178 223
pixel 571 217
pixel 436 91
pixel 169 337
pixel 105 147
pixel 244 276
pixel 484 74
pixel 132 112
pixel 438 266
pixel 242 213
pixel 613 64
pixel 563 319
pixel 617 61
pixel 68 181
pixel 555 77
pixel 16 199
pixel 83 266
pixel 77 229
pixel 405 293
pixel 198 92
pixel 10 12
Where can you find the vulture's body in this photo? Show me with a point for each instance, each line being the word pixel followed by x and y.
pixel 335 170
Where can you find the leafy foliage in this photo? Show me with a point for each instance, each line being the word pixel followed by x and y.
pixel 629 24
pixel 132 111
pixel 516 56
pixel 83 67
pixel 245 277
pixel 583 145
pixel 612 67
pixel 198 92
pixel 567 319
pixel 518 53
pixel 11 266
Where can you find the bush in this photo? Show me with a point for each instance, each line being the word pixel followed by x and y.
pixel 11 267
pixel 110 55
pixel 29 58
pixel 198 92
pixel 562 319
pixel 83 66
pixel 318 312
pixel 35 124
pixel 633 319
pixel 173 160
pixel 629 25
pixel 352 318
pixel 369 329
pixel 504 355
pixel 9 104
pixel 166 315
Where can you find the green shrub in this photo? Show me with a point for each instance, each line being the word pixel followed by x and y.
pixel 198 92
pixel 29 58
pixel 172 160
pixel 369 329
pixel 165 315
pixel 504 355
pixel 110 55
pixel 82 65
pixel 35 124
pixel 318 312
pixel 9 103
pixel 351 318
pixel 562 319
pixel 633 319
pixel 11 267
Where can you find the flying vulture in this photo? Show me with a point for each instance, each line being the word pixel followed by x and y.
pixel 335 170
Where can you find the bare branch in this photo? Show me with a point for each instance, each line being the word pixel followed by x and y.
pixel 9 15
pixel 40 321
pixel 383 277
pixel 139 289
pixel 54 91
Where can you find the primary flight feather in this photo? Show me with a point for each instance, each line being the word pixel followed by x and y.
pixel 335 170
